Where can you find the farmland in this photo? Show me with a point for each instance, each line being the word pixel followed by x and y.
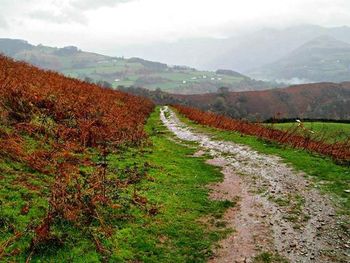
pixel 331 132
pixel 119 71
pixel 133 73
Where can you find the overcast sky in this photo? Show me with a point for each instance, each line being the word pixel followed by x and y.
pixel 99 25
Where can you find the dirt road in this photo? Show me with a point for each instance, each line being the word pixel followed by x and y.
pixel 279 211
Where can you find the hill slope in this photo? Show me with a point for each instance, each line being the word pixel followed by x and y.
pixel 127 72
pixel 81 181
pixel 322 59
pixel 84 178
pixel 315 101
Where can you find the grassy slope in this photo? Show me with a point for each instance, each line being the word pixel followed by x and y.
pixel 331 131
pixel 174 80
pixel 321 59
pixel 175 186
pixel 328 176
pixel 131 72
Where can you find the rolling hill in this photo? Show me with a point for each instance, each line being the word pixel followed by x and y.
pixel 314 101
pixel 322 59
pixel 127 72
pixel 307 101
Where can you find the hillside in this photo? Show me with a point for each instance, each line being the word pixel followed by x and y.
pixel 322 59
pixel 88 175
pixel 96 175
pixel 315 101
pixel 119 71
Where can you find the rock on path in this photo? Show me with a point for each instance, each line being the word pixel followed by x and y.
pixel 278 209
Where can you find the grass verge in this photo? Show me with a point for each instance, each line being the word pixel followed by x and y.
pixel 328 176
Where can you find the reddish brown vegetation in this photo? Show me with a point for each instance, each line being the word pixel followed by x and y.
pixel 338 151
pixel 66 117
pixel 315 101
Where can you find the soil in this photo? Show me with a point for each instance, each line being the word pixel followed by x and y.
pixel 278 210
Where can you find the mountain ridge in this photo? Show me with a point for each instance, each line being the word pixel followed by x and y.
pixel 321 59
pixel 240 52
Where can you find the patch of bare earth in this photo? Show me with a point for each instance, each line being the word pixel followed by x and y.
pixel 278 209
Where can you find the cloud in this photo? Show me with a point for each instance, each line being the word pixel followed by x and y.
pixel 70 11
pixel 95 4
pixel 3 23
pixel 64 17
pixel 101 25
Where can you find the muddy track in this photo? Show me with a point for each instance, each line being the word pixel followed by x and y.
pixel 278 209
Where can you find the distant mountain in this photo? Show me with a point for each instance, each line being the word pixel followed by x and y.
pixel 242 52
pixel 127 72
pixel 321 59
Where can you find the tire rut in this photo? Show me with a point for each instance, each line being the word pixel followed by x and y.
pixel 278 209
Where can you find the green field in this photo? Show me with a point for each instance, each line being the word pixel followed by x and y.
pixel 119 71
pixel 329 131
pixel 124 73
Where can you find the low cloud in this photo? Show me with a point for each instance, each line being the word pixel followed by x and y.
pixel 65 17
pixel 94 4
pixel 101 25
pixel 72 11
pixel 3 23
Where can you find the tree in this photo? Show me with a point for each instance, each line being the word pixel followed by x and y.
pixel 89 80
pixel 104 84
pixel 223 91
pixel 219 105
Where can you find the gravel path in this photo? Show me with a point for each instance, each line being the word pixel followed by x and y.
pixel 278 209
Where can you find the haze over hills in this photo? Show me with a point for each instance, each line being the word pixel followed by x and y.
pixel 321 59
pixel 294 55
pixel 244 52
pixel 127 72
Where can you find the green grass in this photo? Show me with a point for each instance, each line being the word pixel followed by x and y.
pixel 175 234
pixel 184 229
pixel 327 175
pixel 172 80
pixel 267 257
pixel 332 132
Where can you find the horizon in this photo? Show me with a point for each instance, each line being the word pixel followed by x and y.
pixel 124 23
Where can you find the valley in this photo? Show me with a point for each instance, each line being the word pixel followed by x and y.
pixel 119 71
